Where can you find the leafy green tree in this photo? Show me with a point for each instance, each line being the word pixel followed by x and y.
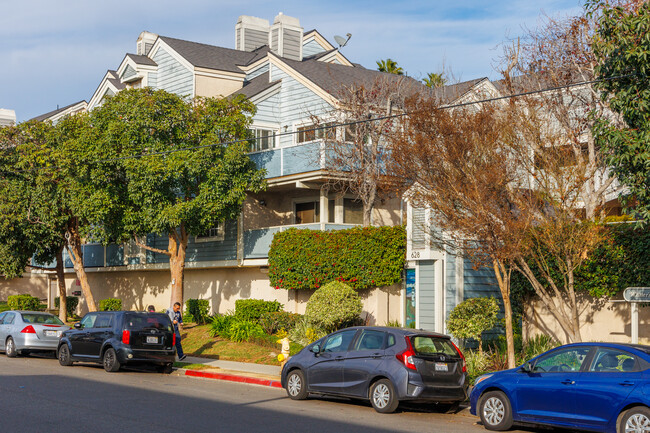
pixel 472 317
pixel 622 49
pixel 434 80
pixel 390 66
pixel 169 190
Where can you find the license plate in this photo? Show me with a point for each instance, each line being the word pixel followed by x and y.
pixel 441 366
pixel 53 333
pixel 152 340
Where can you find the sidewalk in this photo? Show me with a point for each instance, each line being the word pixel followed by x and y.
pixel 243 372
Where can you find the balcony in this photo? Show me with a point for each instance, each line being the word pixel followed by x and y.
pixel 285 161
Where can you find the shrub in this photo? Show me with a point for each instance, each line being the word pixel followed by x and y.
pixel 393 324
pixel 244 330
pixel 252 309
pixel 537 345
pixel 23 302
pixel 305 332
pixel 478 363
pixel 110 304
pixel 472 317
pixel 199 310
pixel 333 306
pixel 70 306
pixel 363 257
pixel 220 325
pixel 272 322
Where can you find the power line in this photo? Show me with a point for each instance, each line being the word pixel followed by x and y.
pixel 337 125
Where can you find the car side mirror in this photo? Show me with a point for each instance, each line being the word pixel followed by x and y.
pixel 315 349
pixel 78 325
pixel 527 367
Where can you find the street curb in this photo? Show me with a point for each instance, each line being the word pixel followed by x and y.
pixel 233 378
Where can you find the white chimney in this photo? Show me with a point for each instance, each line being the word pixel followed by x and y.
pixel 285 38
pixel 251 33
pixel 145 42
pixel 7 117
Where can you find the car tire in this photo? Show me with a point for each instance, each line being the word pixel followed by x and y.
pixel 495 411
pixel 296 386
pixel 166 369
pixel 633 419
pixel 63 354
pixel 109 360
pixel 10 348
pixel 382 396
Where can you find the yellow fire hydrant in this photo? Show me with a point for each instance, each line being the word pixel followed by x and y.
pixel 283 357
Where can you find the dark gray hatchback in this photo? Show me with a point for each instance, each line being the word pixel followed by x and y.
pixel 384 365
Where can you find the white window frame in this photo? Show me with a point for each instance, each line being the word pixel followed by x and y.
pixel 274 136
pixel 215 234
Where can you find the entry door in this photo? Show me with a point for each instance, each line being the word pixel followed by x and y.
pixel 426 295
pixel 326 371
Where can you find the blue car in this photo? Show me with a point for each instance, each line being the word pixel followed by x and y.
pixel 602 387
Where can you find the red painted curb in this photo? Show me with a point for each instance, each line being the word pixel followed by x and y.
pixel 233 378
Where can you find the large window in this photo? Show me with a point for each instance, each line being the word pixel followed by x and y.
pixel 216 233
pixel 309 212
pixel 316 132
pixel 567 360
pixel 263 139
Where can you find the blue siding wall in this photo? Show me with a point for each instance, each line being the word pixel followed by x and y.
pixel 152 80
pixel 259 71
pixel 271 160
pixel 129 72
pixel 173 76
pixel 312 47
pixel 479 282
pixel 301 159
pixel 268 110
pixel 427 297
pixel 450 284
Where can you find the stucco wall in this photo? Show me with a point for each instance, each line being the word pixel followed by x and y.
pixel 212 86
pixel 28 284
pixel 600 320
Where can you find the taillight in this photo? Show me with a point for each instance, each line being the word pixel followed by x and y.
pixel 461 356
pixel 406 357
pixel 29 329
pixel 126 336
pixel 174 339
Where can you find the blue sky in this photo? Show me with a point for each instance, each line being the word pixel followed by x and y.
pixel 56 52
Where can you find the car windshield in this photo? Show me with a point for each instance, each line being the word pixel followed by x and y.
pixel 431 345
pixel 137 322
pixel 41 319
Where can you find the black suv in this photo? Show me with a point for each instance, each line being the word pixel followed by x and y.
pixel 116 338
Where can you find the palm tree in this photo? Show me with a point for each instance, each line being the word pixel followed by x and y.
pixel 389 66
pixel 434 80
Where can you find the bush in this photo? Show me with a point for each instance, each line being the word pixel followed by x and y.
pixel 272 322
pixel 199 310
pixel 305 332
pixel 244 330
pixel 252 309
pixel 472 317
pixel 363 257
pixel 536 346
pixel 220 325
pixel 70 306
pixel 333 306
pixel 478 363
pixel 23 302
pixel 110 304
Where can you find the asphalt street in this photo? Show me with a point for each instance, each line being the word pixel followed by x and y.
pixel 38 395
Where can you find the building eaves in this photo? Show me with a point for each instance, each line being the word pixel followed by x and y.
pixel 256 86
pixel 141 60
pixel 212 57
pixel 52 113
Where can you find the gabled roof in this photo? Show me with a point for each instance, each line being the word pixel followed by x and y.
pixel 212 57
pixel 141 60
pixel 453 92
pixel 53 113
pixel 256 86
pixel 115 80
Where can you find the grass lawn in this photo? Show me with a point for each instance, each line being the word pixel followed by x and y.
pixel 197 342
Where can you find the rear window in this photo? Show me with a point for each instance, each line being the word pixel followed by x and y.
pixel 148 321
pixel 41 319
pixel 430 345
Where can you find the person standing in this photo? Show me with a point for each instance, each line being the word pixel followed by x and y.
pixel 177 319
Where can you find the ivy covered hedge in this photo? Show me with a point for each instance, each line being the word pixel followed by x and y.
pixel 362 257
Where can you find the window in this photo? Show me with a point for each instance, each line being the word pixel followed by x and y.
pixel 89 320
pixel 213 234
pixel 2 316
pixel 613 361
pixel 316 132
pixel 104 321
pixel 8 319
pixel 391 340
pixel 370 340
pixel 428 345
pixel 339 342
pixel 562 360
pixel 46 319
pixel 263 139
pixel 352 211
pixel 307 213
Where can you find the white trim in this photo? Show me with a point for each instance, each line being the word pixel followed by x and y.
pixel 277 62
pixel 172 52
pixel 318 38
pixel 271 91
pixel 439 295
pixel 249 69
pixel 417 295
pixel 203 72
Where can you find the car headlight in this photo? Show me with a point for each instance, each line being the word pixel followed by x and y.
pixel 482 378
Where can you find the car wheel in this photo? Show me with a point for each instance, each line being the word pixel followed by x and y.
pixel 296 386
pixel 64 356
pixel 635 420
pixel 495 411
pixel 111 364
pixel 166 369
pixel 382 396
pixel 10 348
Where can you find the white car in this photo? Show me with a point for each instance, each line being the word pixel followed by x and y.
pixel 22 332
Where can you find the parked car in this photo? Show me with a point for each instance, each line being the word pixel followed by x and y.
pixel 601 387
pixel 117 338
pixel 22 332
pixel 384 365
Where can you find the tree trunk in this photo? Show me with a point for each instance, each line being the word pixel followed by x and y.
pixel 503 278
pixel 76 255
pixel 60 281
pixel 178 252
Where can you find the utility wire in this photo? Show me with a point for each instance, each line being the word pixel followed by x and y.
pixel 337 125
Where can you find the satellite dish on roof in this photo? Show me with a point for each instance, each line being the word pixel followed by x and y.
pixel 341 40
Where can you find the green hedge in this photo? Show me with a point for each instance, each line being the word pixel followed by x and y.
pixel 362 257
pixel 23 302
pixel 252 309
pixel 198 309
pixel 70 306
pixel 272 322
pixel 110 304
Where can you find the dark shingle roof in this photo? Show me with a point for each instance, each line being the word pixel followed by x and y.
pixel 211 57
pixel 256 85
pixel 454 91
pixel 115 80
pixel 55 112
pixel 142 60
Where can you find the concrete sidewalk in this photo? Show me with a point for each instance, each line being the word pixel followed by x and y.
pixel 243 372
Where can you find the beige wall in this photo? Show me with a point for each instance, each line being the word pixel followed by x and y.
pixel 212 86
pixel 29 284
pixel 599 321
